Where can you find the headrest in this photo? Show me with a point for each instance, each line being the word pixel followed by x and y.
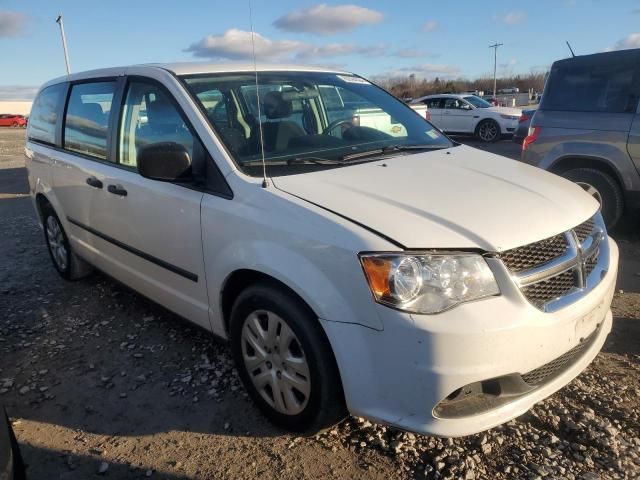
pixel 91 111
pixel 275 106
pixel 162 112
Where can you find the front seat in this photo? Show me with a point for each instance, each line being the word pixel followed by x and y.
pixel 277 132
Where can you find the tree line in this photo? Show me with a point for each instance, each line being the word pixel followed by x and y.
pixel 413 87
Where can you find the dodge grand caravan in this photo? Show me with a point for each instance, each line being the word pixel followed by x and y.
pixel 372 267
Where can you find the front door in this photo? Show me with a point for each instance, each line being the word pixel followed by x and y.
pixel 457 116
pixel 148 232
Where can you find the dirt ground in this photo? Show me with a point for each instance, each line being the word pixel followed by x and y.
pixel 100 382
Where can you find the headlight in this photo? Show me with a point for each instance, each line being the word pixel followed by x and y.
pixel 510 117
pixel 428 283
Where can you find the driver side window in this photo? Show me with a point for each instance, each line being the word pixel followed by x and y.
pixel 453 103
pixel 149 116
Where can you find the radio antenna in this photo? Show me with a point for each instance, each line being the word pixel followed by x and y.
pixel 570 49
pixel 265 182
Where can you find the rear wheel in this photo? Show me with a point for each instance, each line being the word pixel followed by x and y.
pixel 66 262
pixel 603 188
pixel 488 131
pixel 285 361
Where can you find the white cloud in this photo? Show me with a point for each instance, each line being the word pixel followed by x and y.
pixel 513 18
pixel 12 23
pixel 325 20
pixel 340 49
pixel 507 68
pixel 425 70
pixel 631 41
pixel 430 26
pixel 407 53
pixel 18 92
pixel 235 44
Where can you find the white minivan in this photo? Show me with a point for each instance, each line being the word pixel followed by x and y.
pixel 396 275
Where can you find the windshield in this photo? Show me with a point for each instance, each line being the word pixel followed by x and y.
pixel 477 102
pixel 310 120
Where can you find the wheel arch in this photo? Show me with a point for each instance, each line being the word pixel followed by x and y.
pixel 564 164
pixel 42 203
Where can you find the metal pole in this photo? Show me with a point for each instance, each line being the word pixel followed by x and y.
pixel 60 22
pixel 495 64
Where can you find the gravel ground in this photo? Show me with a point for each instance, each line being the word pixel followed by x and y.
pixel 100 382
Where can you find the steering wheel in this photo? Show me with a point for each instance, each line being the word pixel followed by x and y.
pixel 337 123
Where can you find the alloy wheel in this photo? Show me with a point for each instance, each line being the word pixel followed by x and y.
pixel 275 362
pixel 488 131
pixel 57 242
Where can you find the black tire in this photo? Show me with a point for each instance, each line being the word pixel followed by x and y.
pixel 608 189
pixel 325 405
pixel 14 124
pixel 486 126
pixel 73 267
pixel 18 463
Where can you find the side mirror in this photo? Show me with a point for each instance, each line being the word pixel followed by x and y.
pixel 165 161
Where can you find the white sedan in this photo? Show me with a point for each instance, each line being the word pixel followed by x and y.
pixel 468 114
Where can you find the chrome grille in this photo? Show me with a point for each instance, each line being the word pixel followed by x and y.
pixel 534 254
pixel 558 268
pixel 542 292
pixel 558 365
pixel 584 230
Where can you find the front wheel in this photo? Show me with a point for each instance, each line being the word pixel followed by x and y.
pixel 285 361
pixel 15 125
pixel 603 188
pixel 488 131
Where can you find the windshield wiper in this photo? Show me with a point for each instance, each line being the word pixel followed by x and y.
pixel 313 160
pixel 392 149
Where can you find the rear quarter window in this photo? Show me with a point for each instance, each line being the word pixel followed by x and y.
pixel 44 114
pixel 594 87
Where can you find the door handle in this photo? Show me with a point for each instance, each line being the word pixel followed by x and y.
pixel 94 182
pixel 117 190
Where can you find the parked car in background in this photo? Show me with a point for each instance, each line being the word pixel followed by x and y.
pixel 509 90
pixel 468 114
pixel 10 120
pixel 355 263
pixel 587 128
pixel 523 125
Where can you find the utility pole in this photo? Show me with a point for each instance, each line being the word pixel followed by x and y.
pixel 60 22
pixel 495 63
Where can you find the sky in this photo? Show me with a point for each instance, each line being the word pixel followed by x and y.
pixel 376 39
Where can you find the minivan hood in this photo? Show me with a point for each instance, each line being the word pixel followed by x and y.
pixel 460 197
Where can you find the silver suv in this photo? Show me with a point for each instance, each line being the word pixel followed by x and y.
pixel 587 128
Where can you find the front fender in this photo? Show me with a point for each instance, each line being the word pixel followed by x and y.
pixel 346 299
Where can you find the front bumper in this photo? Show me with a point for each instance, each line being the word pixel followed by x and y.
pixel 398 376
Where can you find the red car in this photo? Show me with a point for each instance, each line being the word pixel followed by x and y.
pixel 10 120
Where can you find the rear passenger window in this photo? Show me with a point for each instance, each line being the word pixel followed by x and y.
pixel 603 87
pixel 87 119
pixel 432 103
pixel 149 116
pixel 44 114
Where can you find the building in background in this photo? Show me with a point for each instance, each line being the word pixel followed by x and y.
pixel 20 107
